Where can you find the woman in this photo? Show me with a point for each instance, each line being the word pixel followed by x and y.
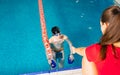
pixel 103 58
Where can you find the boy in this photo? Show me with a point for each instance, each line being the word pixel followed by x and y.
pixel 56 42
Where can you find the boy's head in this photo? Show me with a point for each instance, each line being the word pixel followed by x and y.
pixel 55 30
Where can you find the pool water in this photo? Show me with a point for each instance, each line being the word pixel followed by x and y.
pixel 21 46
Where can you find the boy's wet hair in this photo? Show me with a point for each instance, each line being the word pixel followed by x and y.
pixel 55 30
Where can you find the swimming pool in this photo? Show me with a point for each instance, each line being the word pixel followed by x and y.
pixel 21 47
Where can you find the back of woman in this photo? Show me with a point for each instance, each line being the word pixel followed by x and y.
pixel 110 65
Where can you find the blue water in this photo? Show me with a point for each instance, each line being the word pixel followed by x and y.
pixel 21 46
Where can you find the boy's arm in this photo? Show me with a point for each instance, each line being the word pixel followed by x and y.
pixel 70 43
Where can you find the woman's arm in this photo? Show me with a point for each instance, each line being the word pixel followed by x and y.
pixel 79 50
pixel 88 68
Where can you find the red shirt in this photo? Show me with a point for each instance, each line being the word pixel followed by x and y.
pixel 110 65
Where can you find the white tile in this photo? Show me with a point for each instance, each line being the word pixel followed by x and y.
pixel 65 72
pixel 43 74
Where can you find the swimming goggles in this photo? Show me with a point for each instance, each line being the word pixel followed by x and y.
pixel 57 34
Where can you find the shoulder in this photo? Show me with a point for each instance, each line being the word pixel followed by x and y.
pixel 93 47
pixel 51 39
pixel 64 36
pixel 92 52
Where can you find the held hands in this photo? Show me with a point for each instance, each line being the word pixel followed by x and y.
pixel 72 48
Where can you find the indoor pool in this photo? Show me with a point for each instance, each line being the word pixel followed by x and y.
pixel 21 47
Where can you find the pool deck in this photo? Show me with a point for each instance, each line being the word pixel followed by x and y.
pixel 76 71
pixel 66 72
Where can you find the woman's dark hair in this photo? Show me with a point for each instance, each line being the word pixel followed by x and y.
pixel 112 34
pixel 55 30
